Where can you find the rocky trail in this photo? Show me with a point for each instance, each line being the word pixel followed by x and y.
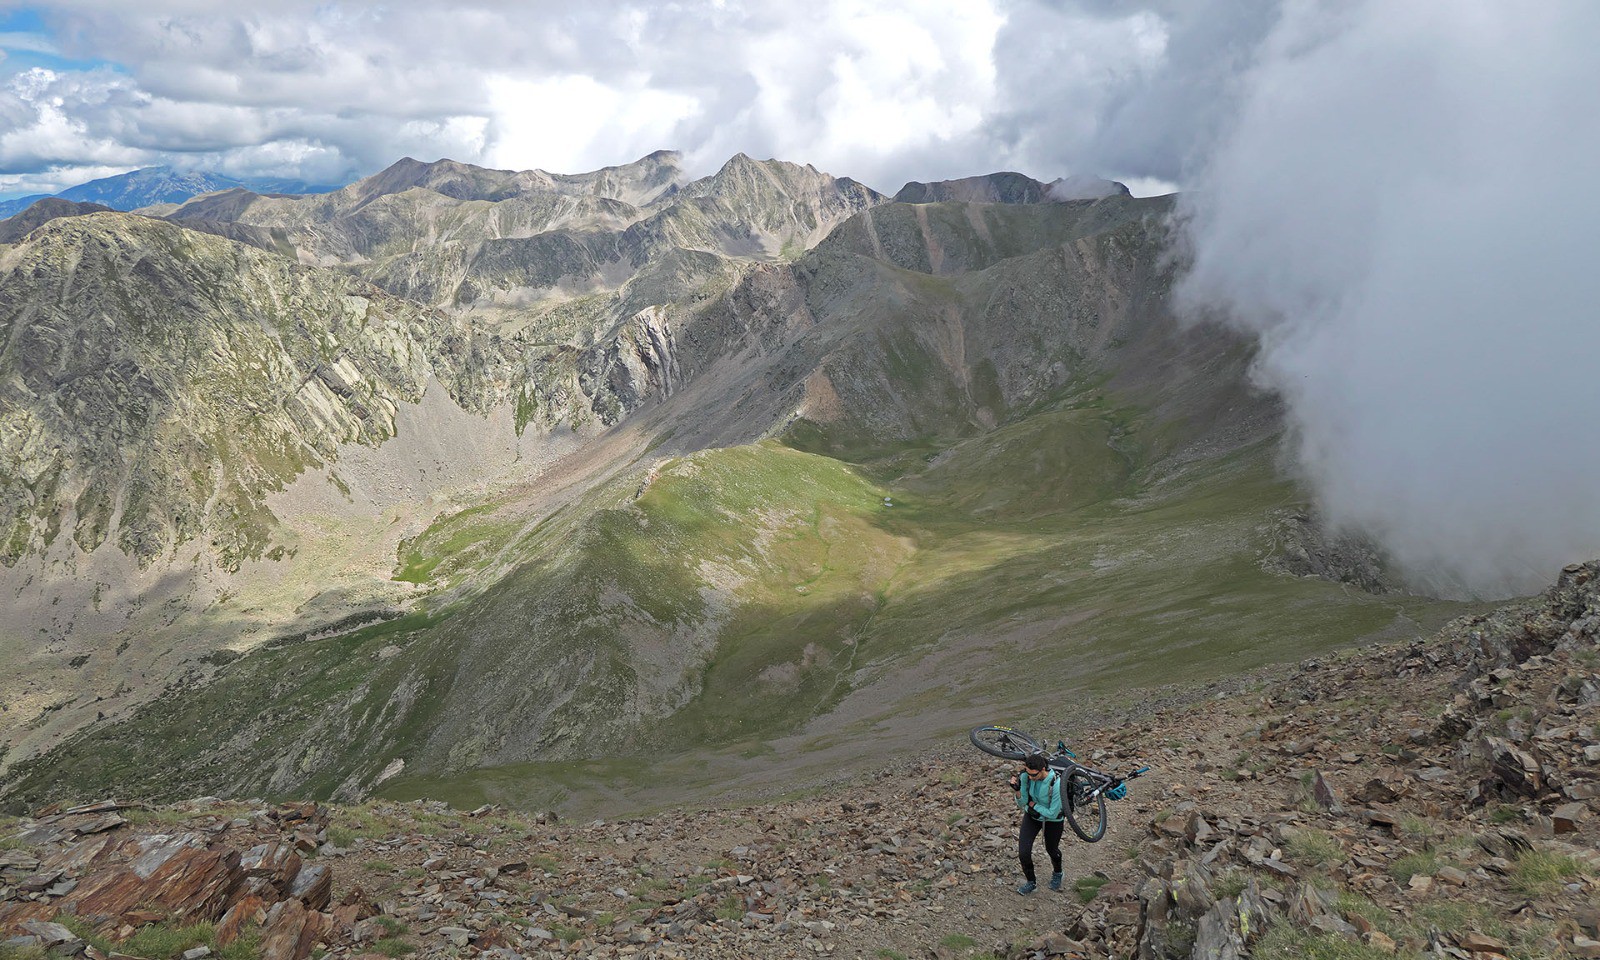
pixel 1434 798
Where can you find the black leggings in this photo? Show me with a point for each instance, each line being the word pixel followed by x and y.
pixel 1052 843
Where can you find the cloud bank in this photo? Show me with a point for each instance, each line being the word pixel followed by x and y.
pixel 884 91
pixel 1404 212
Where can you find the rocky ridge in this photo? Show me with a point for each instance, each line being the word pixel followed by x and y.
pixel 1430 798
pixel 498 243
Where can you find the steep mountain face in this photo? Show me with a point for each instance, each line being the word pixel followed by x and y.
pixel 167 388
pixel 157 382
pixel 202 352
pixel 955 456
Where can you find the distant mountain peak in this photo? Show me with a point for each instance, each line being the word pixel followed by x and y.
pixel 149 186
pixel 1003 187
pixel 1086 186
pixel 1010 187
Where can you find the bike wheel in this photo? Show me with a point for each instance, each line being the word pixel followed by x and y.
pixel 1004 742
pixel 1086 813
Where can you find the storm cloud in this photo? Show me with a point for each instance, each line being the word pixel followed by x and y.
pixel 1404 213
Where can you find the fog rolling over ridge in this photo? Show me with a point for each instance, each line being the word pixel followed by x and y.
pixel 1405 212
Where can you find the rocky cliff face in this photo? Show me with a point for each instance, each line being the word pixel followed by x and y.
pixel 167 386
pixel 159 382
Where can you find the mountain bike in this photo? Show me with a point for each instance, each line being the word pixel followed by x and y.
pixel 1087 789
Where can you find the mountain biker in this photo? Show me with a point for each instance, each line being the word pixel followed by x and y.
pixel 1039 797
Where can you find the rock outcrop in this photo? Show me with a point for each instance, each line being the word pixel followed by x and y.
pixel 1304 547
pixel 74 880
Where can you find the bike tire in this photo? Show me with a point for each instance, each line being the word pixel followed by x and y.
pixel 1004 742
pixel 1086 814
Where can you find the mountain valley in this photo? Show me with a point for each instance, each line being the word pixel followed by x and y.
pixel 623 489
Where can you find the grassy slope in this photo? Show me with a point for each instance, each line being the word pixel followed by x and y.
pixel 1013 569
pixel 1020 568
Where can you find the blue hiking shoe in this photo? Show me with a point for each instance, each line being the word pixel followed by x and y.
pixel 1027 888
pixel 1055 880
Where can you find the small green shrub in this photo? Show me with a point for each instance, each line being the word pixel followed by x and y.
pixel 1412 864
pixel 1538 873
pixel 161 941
pixel 1284 942
pixel 566 934
pixel 1230 883
pixel 1088 887
pixel 1505 814
pixel 1354 904
pixel 1416 826
pixel 1314 848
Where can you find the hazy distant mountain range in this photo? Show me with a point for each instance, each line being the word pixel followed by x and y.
pixel 154 185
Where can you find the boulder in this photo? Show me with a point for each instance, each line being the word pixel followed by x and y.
pixel 51 936
pixel 1568 817
pixel 275 865
pixel 313 886
pixel 1221 933
pixel 1518 771
pixel 1506 844
pixel 190 884
pixel 291 931
pixel 1481 943
pixel 1378 790
pixel 1324 794
pixel 249 910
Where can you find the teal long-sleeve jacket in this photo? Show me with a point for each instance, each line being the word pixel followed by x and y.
pixel 1045 794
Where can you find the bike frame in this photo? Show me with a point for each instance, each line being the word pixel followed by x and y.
pixel 1066 762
